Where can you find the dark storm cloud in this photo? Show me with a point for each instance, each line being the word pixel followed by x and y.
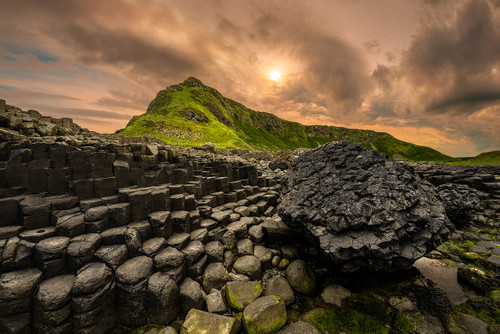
pixel 454 67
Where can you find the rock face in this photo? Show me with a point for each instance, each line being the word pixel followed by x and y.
pixel 364 211
pixel 460 202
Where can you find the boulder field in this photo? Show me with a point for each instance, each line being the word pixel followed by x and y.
pixel 109 234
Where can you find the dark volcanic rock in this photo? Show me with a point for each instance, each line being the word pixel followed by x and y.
pixel 364 211
pixel 460 202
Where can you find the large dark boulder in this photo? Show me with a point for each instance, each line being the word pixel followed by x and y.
pixel 364 211
pixel 460 201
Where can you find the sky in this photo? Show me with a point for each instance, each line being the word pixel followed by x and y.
pixel 425 71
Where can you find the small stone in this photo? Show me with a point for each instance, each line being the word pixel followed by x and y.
pixel 283 264
pixel 256 233
pixel 240 294
pixel 265 315
pixel 192 295
pixel 215 276
pixel 334 294
pixel 215 302
pixel 204 322
pixel 215 251
pixel 264 255
pixel 301 277
pixel 279 286
pixel 178 240
pixel 244 247
pixel 229 258
pixel 248 265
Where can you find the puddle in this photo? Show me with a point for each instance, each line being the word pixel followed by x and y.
pixel 445 277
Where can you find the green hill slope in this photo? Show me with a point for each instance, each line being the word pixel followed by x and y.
pixel 191 114
pixel 487 158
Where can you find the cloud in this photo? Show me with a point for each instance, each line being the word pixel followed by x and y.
pixel 454 67
pixel 85 57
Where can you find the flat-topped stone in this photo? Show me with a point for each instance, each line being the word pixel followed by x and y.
pixel 55 292
pixel 19 284
pixel 178 240
pixel 52 248
pixel 91 278
pixel 134 270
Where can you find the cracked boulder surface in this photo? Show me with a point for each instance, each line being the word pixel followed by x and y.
pixel 363 211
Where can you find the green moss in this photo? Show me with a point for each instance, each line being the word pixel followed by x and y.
pixel 370 305
pixel 343 321
pixel 236 300
pixel 405 324
pixel 266 325
pixel 292 315
pixel 324 320
pixel 467 244
pixel 358 323
pixel 238 315
pixel 481 308
pixel 283 264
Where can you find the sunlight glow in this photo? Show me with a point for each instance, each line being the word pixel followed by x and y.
pixel 275 75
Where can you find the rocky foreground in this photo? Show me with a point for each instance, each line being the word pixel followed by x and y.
pixel 102 233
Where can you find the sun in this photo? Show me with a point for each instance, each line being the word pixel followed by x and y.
pixel 275 75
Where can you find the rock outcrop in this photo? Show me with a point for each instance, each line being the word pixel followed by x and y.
pixel 364 211
pixel 460 201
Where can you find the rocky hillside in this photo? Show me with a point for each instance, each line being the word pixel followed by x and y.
pixel 190 114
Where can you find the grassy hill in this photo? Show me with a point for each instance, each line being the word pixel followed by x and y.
pixel 487 158
pixel 191 114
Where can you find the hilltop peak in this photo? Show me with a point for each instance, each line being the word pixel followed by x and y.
pixel 193 82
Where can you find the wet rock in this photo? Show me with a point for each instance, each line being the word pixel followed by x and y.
pixel 191 295
pixel 279 286
pixel 215 302
pixel 215 276
pixel 244 247
pixel 248 265
pixel 19 284
pixel 301 277
pixel 203 322
pixel 265 315
pixel 90 278
pixel 52 248
pixel 240 294
pixel 134 270
pixel 362 210
pixel 153 246
pixel 112 255
pixel 132 286
pixel 264 255
pixel 215 251
pixel 163 299
pixel 54 293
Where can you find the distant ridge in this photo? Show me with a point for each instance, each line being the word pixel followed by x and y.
pixel 191 114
